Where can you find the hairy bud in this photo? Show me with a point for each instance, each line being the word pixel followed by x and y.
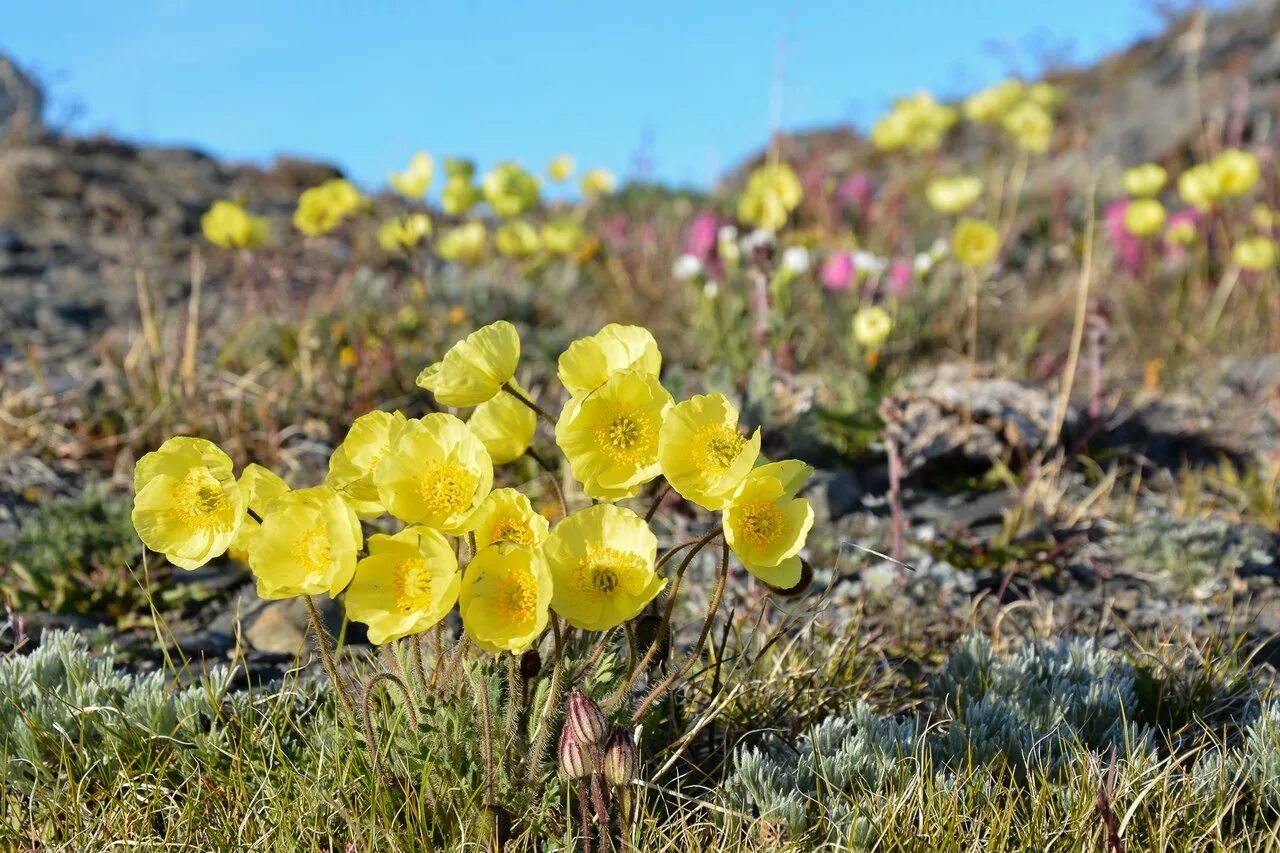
pixel 573 758
pixel 586 720
pixel 530 664
pixel 621 760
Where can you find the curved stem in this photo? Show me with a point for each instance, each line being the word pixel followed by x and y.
pixel 554 477
pixel 481 686
pixel 657 501
pixel 538 410
pixel 326 658
pixel 543 729
pixel 593 658
pixel 716 597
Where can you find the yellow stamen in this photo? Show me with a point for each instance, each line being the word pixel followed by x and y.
pixel 311 550
pixel 512 530
pixel 411 586
pixel 604 570
pixel 516 597
pixel 446 488
pixel 201 503
pixel 715 446
pixel 760 523
pixel 627 437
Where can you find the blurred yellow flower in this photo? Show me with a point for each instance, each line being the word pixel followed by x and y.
pixel 1262 217
pixel 560 168
pixel 871 326
pixel 307 544
pixel 414 181
pixel 187 504
pixel 517 239
pixel 507 516
pixel 989 105
pixel 435 472
pixel 463 243
pixel 1145 180
pixel 505 426
pixel 407 584
pixel 1254 254
pixel 259 486
pixel 476 367
pixel 610 436
pixel 459 167
pixel 562 236
pixel 505 594
pixel 403 232
pixel 1237 172
pixel 598 182
pixel 1200 186
pixel 601 561
pixel 588 362
pixel 766 524
pixel 702 453
pixel 459 195
pixel 771 193
pixel 917 123
pixel 952 195
pixel 1144 217
pixel 1181 231
pixel 322 208
pixel 1046 95
pixel 975 242
pixel 352 464
pixel 1030 126
pixel 229 225
pixel 510 190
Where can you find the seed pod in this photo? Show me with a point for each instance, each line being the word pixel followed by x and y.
pixel 573 758
pixel 587 722
pixel 530 664
pixel 621 760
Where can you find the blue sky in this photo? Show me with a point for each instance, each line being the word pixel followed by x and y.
pixel 364 84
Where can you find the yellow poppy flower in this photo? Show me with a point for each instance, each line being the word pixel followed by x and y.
pixel 917 123
pixel 1030 126
pixel 1046 95
pixel 1254 254
pixel 562 236
pixel 1181 232
pixel 1237 172
pixel 703 455
pixel 505 426
pixel 1262 217
pixel 507 516
pixel 601 562
pixel 459 167
pixel 229 225
pixel 1144 217
pixel 475 368
pixel 435 472
pixel 307 544
pixel 352 464
pixel 771 193
pixel 321 208
pixel 871 326
pixel 187 504
pixel 598 182
pixel 1200 186
pixel 464 243
pixel 1145 180
pixel 403 232
pixel 766 524
pixel 517 239
pixel 260 486
pixel 561 168
pixel 414 181
pixel 989 105
pixel 407 584
pixel 975 242
pixel 953 195
pixel 509 189
pixel 459 195
pixel 589 361
pixel 505 594
pixel 610 436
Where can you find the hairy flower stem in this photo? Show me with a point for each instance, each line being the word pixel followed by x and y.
pixel 326 658
pixel 419 664
pixel 585 815
pixel 481 686
pixel 624 819
pixel 616 696
pixel 657 501
pixel 438 664
pixel 538 410
pixel 542 730
pixel 370 735
pixel 454 660
pixel 514 703
pixel 696 652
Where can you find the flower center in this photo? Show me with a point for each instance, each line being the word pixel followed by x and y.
pixel 605 569
pixel 760 523
pixel 311 549
pixel 512 530
pixel 200 502
pixel 715 446
pixel 446 488
pixel 411 586
pixel 627 438
pixel 516 597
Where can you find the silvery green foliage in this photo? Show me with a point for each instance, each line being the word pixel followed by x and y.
pixel 63 703
pixel 1034 708
pixel 1256 763
pixel 1197 549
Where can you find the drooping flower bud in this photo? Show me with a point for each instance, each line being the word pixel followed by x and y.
pixel 587 722
pixel 621 761
pixel 530 664
pixel 573 758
